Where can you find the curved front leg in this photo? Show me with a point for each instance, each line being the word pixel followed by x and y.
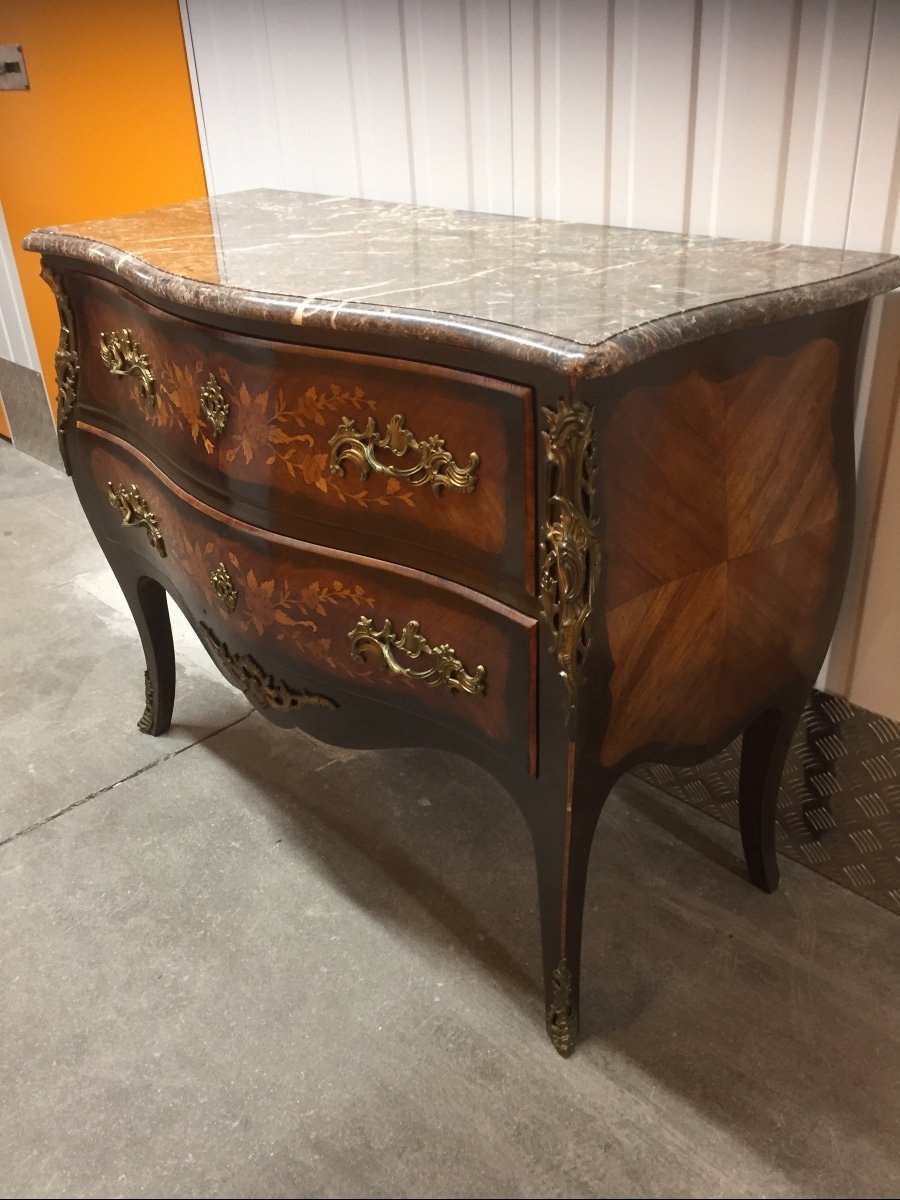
pixel 562 830
pixel 765 748
pixel 147 601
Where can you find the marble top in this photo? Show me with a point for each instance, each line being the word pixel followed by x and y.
pixel 587 299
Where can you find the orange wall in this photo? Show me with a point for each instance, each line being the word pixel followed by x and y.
pixel 108 126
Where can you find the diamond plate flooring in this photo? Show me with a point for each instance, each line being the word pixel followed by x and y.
pixel 839 807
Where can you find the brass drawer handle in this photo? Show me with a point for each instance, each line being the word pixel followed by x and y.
pixel 122 355
pixel 214 406
pixel 132 508
pixel 445 669
pixel 435 464
pixel 223 585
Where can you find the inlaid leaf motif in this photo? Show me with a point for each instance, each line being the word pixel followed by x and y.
pixel 281 429
pixel 274 607
pixel 251 426
pixel 178 395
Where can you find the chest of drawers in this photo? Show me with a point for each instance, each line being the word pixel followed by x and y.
pixel 558 498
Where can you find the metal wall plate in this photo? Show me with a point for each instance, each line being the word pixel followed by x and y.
pixel 13 76
pixel 839 807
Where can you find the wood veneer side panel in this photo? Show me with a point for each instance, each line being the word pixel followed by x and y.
pixel 725 496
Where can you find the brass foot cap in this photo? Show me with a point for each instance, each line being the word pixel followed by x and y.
pixel 562 1015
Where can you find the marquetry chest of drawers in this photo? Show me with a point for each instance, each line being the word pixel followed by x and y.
pixel 560 498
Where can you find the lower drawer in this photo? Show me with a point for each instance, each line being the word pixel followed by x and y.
pixel 286 619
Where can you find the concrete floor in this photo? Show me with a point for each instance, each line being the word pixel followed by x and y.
pixel 236 962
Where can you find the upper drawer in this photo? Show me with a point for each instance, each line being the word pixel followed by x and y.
pixel 418 464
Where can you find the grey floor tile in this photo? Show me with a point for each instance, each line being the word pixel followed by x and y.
pixel 22 475
pixel 264 968
pixel 71 666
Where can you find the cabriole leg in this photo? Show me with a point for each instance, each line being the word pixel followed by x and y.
pixel 766 744
pixel 147 601
pixel 563 834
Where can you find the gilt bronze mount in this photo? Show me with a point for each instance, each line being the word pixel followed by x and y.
pixel 221 583
pixel 122 355
pixel 214 406
pixel 66 364
pixel 257 684
pixel 132 508
pixel 435 464
pixel 562 1016
pixel 444 670
pixel 568 549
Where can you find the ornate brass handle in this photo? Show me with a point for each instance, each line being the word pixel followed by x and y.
pixel 132 508
pixel 444 670
pixel 122 355
pixel 214 406
pixel 435 463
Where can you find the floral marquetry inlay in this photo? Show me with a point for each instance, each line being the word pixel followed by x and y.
pixel 280 608
pixel 269 431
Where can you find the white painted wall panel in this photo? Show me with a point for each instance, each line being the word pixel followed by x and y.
pixel 875 203
pixel 829 90
pixel 16 339
pixel 653 85
pixel 568 120
pixel 458 58
pixel 744 91
pixel 230 50
pixel 376 54
pixel 489 67
pixel 313 103
pixel 439 103
pixel 770 118
pixel 525 103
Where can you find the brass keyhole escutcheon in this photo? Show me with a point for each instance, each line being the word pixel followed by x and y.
pixel 223 585
pixel 213 405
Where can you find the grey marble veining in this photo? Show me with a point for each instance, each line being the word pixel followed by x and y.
pixel 588 299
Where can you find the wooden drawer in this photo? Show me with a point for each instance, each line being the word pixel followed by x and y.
pixel 284 611
pixel 348 450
